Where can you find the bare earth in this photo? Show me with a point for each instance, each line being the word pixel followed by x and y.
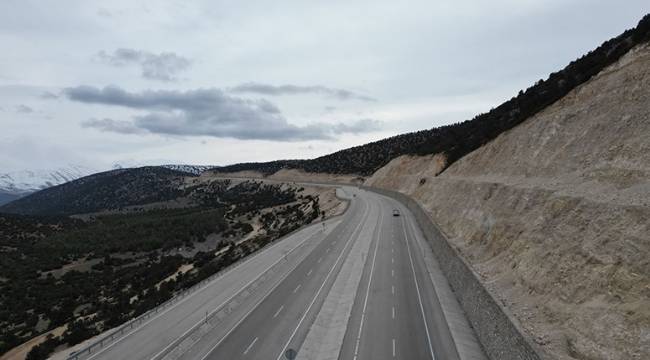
pixel 555 215
pixel 292 175
pixel 20 352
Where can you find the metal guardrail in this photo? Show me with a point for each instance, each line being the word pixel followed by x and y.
pixel 219 314
pixel 135 322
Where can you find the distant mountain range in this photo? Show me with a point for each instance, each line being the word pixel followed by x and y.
pixel 16 184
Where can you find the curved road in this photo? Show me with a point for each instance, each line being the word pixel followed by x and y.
pixel 268 303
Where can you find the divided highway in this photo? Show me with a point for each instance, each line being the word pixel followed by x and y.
pixel 267 304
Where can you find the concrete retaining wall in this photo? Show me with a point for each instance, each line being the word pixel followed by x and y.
pixel 499 333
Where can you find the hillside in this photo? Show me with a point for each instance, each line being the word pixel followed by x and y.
pixel 162 231
pixel 7 198
pixel 107 190
pixel 457 140
pixel 16 184
pixel 553 214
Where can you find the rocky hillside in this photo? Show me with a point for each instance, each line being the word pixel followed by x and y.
pixel 553 214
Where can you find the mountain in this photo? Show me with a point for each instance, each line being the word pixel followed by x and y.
pixel 107 190
pixel 546 198
pixel 554 214
pixel 454 141
pixel 16 184
pixel 6 198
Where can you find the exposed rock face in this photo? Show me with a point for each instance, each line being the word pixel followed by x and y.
pixel 555 215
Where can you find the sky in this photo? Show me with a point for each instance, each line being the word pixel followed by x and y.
pixel 99 83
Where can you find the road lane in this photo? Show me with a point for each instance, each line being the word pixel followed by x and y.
pixel 156 334
pixel 397 314
pixel 299 309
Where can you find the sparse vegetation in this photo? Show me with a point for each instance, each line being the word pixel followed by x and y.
pixel 96 274
pixel 110 190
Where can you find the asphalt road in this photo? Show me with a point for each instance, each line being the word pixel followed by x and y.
pixel 282 319
pixel 396 314
pixel 153 338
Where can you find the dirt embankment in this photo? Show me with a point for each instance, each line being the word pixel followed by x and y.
pixel 327 200
pixel 290 175
pixel 555 215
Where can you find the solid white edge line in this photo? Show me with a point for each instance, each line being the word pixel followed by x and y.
pixel 254 307
pixel 198 291
pixel 218 308
pixel 321 287
pixel 365 302
pixel 417 288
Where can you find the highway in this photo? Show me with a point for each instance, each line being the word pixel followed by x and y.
pixel 268 303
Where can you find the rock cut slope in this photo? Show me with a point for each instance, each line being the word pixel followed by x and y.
pixel 554 214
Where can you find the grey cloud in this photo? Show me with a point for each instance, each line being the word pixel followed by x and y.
pixel 48 95
pixel 24 109
pixel 274 90
pixel 204 112
pixel 164 66
pixel 110 125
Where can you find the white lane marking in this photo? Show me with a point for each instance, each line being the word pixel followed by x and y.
pixel 392 289
pixel 393 312
pixel 250 346
pixel 417 288
pixel 365 301
pixel 319 259
pixel 392 273
pixel 296 289
pixel 392 260
pixel 286 275
pixel 278 312
pixel 309 272
pixel 200 291
pixel 393 347
pixel 321 287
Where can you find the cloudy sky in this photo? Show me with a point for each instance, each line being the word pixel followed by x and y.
pixel 96 83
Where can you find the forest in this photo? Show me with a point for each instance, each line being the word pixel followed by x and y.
pixel 88 274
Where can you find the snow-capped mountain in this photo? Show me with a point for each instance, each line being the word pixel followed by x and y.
pixel 27 181
pixel 16 184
